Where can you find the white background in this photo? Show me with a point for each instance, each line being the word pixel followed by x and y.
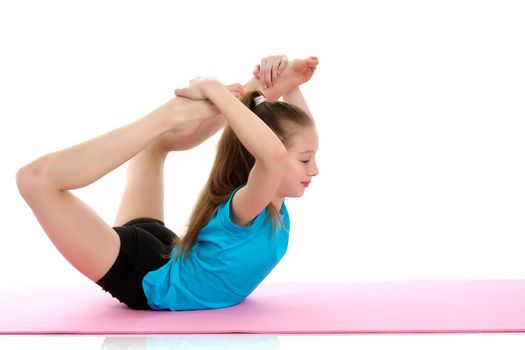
pixel 419 107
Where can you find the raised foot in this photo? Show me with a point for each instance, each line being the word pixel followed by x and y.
pixel 297 72
pixel 199 120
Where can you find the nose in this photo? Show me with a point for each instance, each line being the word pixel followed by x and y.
pixel 313 170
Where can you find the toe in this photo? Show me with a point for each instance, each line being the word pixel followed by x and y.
pixel 312 63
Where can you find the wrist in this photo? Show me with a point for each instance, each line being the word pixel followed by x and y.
pixel 253 84
pixel 210 84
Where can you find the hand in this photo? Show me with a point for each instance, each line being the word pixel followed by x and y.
pixel 292 75
pixel 195 89
pixel 269 69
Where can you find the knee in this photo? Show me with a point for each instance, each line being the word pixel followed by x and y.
pixel 29 180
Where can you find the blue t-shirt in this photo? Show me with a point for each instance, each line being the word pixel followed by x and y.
pixel 227 262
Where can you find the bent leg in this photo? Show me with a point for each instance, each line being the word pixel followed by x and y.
pixel 79 234
pixel 144 191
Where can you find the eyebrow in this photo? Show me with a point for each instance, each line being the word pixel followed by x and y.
pixel 306 152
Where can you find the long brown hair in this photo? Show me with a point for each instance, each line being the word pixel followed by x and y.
pixel 233 163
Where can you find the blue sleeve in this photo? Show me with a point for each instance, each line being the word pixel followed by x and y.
pixel 225 217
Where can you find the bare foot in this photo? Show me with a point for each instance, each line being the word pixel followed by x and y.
pixel 204 120
pixel 295 73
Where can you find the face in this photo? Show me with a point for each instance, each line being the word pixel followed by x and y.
pixel 301 165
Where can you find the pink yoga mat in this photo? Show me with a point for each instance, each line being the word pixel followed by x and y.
pixel 299 307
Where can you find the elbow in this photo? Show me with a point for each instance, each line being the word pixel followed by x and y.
pixel 280 153
pixel 274 156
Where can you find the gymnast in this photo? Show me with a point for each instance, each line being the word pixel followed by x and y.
pixel 238 229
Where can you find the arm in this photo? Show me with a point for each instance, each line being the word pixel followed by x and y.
pixel 253 133
pixel 296 98
pixel 270 154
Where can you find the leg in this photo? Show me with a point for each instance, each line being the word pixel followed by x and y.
pixel 172 142
pixel 144 192
pixel 80 235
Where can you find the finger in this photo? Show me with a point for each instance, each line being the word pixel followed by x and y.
pixel 282 64
pixel 268 73
pixel 238 90
pixel 262 73
pixel 180 92
pixel 241 90
pixel 256 71
pixel 275 64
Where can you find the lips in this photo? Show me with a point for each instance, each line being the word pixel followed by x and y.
pixel 306 183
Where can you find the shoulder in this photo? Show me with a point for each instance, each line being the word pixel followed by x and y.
pixel 230 220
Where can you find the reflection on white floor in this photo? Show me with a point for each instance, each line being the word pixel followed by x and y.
pixel 213 341
pixel 430 341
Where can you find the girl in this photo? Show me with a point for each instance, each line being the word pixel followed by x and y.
pixel 264 155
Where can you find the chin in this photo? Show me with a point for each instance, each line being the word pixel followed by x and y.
pixel 296 194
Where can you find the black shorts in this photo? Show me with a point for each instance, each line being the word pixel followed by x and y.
pixel 141 241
